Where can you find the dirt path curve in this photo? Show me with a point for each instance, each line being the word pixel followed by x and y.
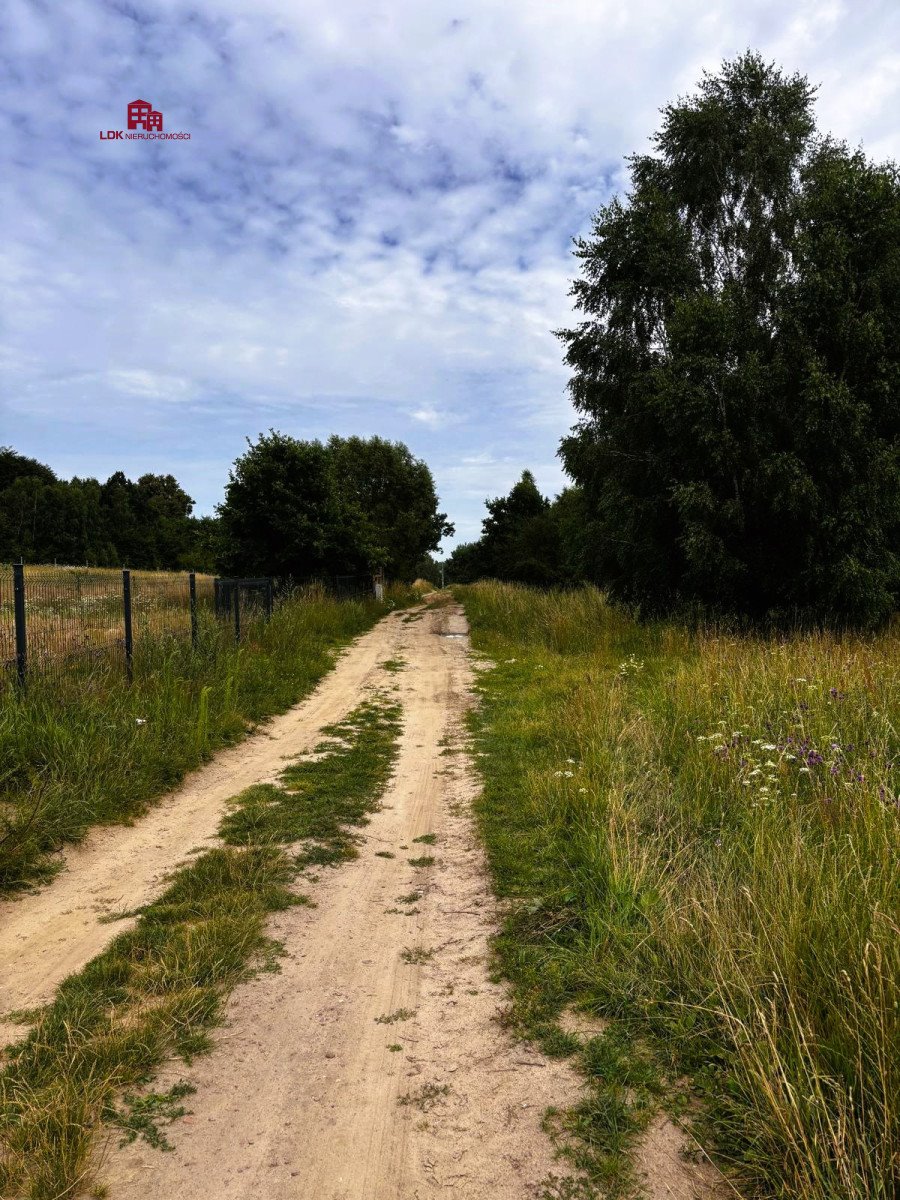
pixel 307 1095
pixel 46 936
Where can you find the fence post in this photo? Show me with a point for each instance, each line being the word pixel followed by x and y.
pixel 237 613
pixel 192 583
pixel 129 636
pixel 19 610
pixel 269 599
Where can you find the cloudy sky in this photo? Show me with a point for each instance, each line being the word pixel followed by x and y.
pixel 369 230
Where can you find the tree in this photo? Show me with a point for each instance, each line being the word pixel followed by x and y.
pixel 164 509
pixel 526 538
pixel 300 509
pixel 205 546
pixel 738 364
pixel 15 466
pixel 280 515
pixel 118 523
pixel 389 500
pixel 519 541
pixel 467 563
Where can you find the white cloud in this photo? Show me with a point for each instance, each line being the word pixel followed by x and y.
pixel 370 227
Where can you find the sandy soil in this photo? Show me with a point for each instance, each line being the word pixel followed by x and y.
pixel 47 935
pixel 303 1096
pixel 670 1167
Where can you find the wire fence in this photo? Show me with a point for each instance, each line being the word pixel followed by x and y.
pixel 55 620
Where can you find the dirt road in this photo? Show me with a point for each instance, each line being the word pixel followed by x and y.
pixel 373 1065
pixel 308 1094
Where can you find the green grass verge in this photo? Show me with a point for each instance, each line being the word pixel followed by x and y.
pixel 698 834
pixel 85 749
pixel 159 988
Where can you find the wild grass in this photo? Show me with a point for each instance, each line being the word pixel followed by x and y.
pixel 155 991
pixel 85 749
pixel 700 831
pixel 159 988
pixel 319 800
pixel 399 1014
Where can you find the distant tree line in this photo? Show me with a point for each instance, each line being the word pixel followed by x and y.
pixel 146 523
pixel 526 538
pixel 294 509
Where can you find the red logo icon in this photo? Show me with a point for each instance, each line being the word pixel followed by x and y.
pixel 145 124
pixel 142 115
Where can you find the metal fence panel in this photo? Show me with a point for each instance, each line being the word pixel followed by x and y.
pixel 71 617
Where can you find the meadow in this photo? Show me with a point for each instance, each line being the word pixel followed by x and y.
pixel 81 747
pixel 697 832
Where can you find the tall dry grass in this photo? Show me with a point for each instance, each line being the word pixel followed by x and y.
pixel 707 827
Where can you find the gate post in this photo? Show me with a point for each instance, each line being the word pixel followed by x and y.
pixel 237 613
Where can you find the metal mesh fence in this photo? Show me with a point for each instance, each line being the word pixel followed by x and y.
pixel 75 616
pixel 56 620
pixel 160 603
pixel 71 615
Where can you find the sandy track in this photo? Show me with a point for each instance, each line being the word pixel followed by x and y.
pixel 47 935
pixel 301 1097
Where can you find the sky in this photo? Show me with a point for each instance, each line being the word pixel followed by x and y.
pixel 370 228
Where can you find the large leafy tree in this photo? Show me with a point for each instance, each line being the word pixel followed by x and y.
pixel 526 538
pixel 519 537
pixel 280 513
pixel 737 367
pixel 300 508
pixel 388 499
